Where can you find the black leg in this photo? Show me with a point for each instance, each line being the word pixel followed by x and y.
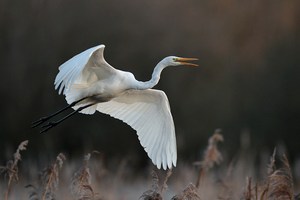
pixel 50 125
pixel 46 118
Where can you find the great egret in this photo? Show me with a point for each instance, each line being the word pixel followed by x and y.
pixel 89 83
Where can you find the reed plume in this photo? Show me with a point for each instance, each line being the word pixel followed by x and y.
pixel 212 155
pixel 48 181
pixel 81 186
pixel 11 169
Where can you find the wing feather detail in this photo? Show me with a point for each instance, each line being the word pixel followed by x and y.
pixel 148 112
pixel 83 69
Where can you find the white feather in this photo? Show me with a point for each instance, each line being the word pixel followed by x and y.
pixel 118 94
pixel 148 112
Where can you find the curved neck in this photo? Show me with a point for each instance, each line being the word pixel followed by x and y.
pixel 155 77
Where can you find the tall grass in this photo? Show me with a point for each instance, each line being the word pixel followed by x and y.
pixel 209 178
pixel 81 185
pixel 11 169
pixel 48 181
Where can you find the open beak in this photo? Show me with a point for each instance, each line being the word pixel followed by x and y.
pixel 184 61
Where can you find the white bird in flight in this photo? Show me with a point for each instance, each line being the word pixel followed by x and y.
pixel 89 83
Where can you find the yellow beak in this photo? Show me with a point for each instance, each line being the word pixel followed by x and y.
pixel 183 61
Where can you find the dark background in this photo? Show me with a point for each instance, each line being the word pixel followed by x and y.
pixel 247 83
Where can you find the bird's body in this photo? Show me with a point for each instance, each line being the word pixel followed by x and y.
pixel 88 75
pixel 89 83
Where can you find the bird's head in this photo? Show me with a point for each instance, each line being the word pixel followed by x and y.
pixel 174 61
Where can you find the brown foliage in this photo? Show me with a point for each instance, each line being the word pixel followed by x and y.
pixel 48 181
pixel 212 155
pixel 81 186
pixel 11 169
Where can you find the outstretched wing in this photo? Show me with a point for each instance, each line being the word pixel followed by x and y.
pixel 83 69
pixel 148 112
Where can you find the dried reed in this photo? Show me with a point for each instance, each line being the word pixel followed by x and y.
pixel 81 186
pixel 280 182
pixel 248 190
pixel 212 155
pixel 48 181
pixel 189 193
pixel 153 193
pixel 11 169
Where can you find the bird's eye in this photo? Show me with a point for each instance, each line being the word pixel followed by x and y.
pixel 175 59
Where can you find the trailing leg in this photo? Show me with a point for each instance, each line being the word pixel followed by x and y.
pixel 46 118
pixel 51 124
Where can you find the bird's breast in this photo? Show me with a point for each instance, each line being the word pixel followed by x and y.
pixel 100 90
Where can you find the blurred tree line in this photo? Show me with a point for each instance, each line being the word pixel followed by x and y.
pixel 247 82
